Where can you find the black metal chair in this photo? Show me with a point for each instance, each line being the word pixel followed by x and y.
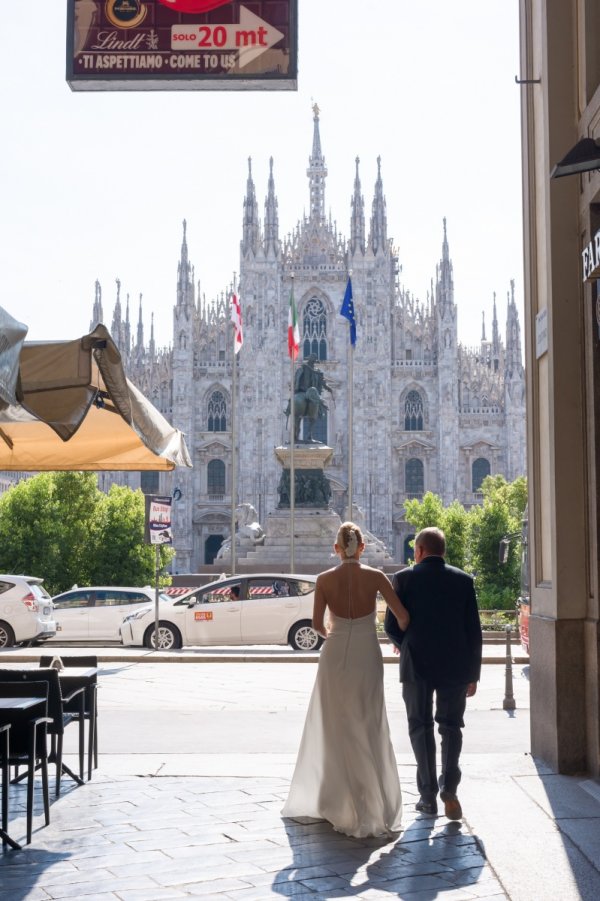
pixel 27 745
pixel 90 712
pixel 59 717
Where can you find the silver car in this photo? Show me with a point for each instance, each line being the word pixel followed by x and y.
pixel 25 611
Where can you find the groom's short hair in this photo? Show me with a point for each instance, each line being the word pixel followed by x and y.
pixel 432 540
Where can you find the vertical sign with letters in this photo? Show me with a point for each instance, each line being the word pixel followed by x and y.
pixel 135 45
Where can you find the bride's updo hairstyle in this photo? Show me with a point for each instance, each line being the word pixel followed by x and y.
pixel 349 538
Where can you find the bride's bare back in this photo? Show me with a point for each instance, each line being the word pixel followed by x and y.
pixel 350 591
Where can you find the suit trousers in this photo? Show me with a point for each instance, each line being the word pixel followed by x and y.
pixel 450 703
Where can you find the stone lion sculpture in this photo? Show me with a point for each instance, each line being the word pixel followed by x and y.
pixel 249 531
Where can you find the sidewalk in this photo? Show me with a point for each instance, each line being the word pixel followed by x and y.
pixel 207 824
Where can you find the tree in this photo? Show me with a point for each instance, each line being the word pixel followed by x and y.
pixel 500 514
pixel 47 527
pixel 473 537
pixel 61 527
pixel 453 521
pixel 122 558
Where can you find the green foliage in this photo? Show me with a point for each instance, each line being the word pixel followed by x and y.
pixel 473 537
pixel 61 527
pixel 453 521
pixel 123 558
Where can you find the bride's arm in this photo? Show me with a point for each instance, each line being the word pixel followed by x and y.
pixel 393 602
pixel 319 606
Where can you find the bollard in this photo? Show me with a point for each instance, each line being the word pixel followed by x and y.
pixel 509 698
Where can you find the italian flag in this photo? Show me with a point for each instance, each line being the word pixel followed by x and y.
pixel 293 332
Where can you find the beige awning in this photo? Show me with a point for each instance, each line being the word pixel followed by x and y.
pixel 76 410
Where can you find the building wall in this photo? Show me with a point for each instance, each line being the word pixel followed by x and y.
pixel 561 104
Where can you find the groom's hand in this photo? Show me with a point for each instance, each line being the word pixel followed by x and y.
pixel 471 689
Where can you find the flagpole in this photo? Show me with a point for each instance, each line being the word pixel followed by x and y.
pixel 350 429
pixel 292 468
pixel 233 455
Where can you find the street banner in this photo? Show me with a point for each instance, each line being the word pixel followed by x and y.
pixel 158 520
pixel 141 45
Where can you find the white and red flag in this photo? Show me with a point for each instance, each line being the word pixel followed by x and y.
pixel 236 318
pixel 293 331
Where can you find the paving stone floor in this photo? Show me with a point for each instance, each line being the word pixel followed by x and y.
pixel 155 838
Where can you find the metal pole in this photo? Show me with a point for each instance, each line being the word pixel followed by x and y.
pixel 233 458
pixel 509 698
pixel 292 468
pixel 350 430
pixel 156 575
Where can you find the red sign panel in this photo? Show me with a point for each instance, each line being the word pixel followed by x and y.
pixel 181 45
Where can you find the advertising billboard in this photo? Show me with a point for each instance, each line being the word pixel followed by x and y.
pixel 141 45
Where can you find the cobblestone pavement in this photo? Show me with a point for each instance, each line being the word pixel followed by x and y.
pixel 145 839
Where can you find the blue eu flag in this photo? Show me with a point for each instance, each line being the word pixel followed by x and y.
pixel 347 311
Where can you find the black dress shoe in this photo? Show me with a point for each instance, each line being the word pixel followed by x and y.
pixel 427 807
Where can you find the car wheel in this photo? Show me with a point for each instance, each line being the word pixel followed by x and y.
pixel 303 637
pixel 7 636
pixel 169 637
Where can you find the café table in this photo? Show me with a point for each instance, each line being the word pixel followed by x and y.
pixel 13 710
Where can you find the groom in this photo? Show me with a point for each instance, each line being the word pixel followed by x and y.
pixel 440 654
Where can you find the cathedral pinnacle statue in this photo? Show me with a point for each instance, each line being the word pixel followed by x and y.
pixel 309 384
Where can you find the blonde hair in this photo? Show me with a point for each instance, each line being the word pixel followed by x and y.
pixel 349 538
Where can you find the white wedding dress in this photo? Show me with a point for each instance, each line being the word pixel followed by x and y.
pixel 346 771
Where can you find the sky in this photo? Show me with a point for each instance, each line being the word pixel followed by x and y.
pixel 96 185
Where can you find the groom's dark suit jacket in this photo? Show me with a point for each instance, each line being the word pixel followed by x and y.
pixel 443 641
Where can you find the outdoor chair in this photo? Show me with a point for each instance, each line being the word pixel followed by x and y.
pixel 58 716
pixel 26 745
pixel 90 703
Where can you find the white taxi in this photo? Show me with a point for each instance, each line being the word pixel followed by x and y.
pixel 242 610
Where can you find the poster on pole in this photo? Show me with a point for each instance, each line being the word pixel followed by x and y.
pixel 158 520
pixel 170 45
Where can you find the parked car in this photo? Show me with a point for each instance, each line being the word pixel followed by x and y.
pixel 243 610
pixel 25 611
pixel 95 613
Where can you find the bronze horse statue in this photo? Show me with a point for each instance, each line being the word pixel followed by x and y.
pixel 307 405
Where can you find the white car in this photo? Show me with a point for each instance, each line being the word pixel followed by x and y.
pixel 25 611
pixel 242 610
pixel 95 613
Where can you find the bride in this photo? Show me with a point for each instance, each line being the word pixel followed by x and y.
pixel 346 770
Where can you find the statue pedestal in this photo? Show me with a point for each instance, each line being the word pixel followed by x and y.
pixel 315 525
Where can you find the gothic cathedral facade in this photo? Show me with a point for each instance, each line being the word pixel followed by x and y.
pixel 429 414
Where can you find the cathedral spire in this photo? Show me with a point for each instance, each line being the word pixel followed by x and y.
pixel 378 235
pixel 514 364
pixel 251 225
pixel 445 281
pixel 97 313
pixel 271 215
pixel 317 173
pixel 140 329
pixel 495 331
pixel 483 338
pixel 357 219
pixel 127 329
pixel 185 275
pixel 117 318
pixel 152 345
